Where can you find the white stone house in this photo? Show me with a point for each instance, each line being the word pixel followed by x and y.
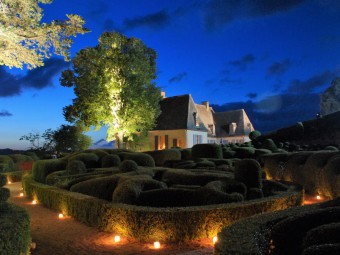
pixel 183 123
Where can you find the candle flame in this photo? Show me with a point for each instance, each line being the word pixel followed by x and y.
pixel 157 245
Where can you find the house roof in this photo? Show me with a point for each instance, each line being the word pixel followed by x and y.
pixel 177 113
pixel 224 119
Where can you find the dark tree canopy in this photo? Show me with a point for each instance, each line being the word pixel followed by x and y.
pixel 114 87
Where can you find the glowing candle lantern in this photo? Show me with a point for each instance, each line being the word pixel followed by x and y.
pixel 318 197
pixel 156 245
pixel 60 216
pixel 215 239
pixel 34 202
pixel 9 182
pixel 117 239
pixel 21 194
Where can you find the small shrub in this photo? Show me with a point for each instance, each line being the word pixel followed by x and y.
pixel 32 154
pixel 324 234
pixel 245 152
pixel 253 135
pixel 110 160
pixel 6 164
pixel 207 151
pixel 75 167
pixel 248 171
pixel 128 166
pixel 269 145
pixel 4 194
pixel 161 156
pixel 142 159
pixel 3 180
pixel 42 168
pixel 91 160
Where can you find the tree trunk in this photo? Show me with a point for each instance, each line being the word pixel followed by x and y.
pixel 119 140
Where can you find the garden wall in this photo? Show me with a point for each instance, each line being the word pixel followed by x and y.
pixel 147 223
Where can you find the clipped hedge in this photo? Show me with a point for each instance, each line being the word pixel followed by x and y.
pixel 207 150
pixel 252 236
pixel 161 156
pixel 110 160
pixel 148 224
pixel 42 168
pixel 142 159
pixel 91 160
pixel 6 164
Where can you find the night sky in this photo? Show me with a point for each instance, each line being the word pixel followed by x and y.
pixel 272 58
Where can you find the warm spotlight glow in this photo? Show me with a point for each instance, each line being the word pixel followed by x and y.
pixel 34 202
pixel 60 216
pixel 117 239
pixel 9 182
pixel 318 197
pixel 156 245
pixel 21 194
pixel 215 239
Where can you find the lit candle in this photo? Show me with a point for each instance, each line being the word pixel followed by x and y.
pixel 21 194
pixel 34 202
pixel 117 239
pixel 318 197
pixel 9 182
pixel 215 239
pixel 157 245
pixel 60 216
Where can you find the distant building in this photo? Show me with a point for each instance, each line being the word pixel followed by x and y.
pixel 183 123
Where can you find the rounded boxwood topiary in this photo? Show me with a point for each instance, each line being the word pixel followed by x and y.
pixel 75 167
pixel 91 160
pixel 142 159
pixel 110 160
pixel 269 145
pixel 128 166
pixel 248 171
pixel 207 150
pixel 4 194
pixel 161 156
pixel 42 168
pixel 3 180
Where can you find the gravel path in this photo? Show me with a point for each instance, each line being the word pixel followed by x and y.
pixel 67 236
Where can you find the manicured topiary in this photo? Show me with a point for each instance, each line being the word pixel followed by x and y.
pixel 205 164
pixel 32 154
pixel 91 160
pixel 324 234
pixel 6 164
pixel 227 185
pixel 75 167
pixel 254 193
pixel 3 180
pixel 42 168
pixel 245 152
pixel 100 153
pixel 186 154
pixel 269 145
pixel 207 151
pixel 101 187
pixel 323 249
pixel 128 191
pixel 331 148
pixel 219 162
pixel 20 158
pixel 142 159
pixel 110 160
pixel 128 166
pixel 248 171
pixel 162 156
pixel 228 154
pixel 4 194
pixel 254 134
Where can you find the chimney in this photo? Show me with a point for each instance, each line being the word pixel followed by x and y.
pixel 206 104
pixel 163 94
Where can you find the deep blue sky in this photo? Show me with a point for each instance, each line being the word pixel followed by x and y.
pixel 272 58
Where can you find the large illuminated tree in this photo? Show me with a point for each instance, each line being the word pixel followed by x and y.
pixel 25 40
pixel 114 87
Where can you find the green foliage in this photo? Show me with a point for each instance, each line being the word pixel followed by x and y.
pixel 32 154
pixel 41 142
pixel 90 160
pixel 324 234
pixel 100 153
pixel 269 145
pixel 15 235
pixel 6 164
pixel 248 171
pixel 331 148
pixel 17 158
pixel 253 135
pixel 142 159
pixel 42 168
pixel 205 164
pixel 4 194
pixel 207 151
pixel 75 167
pixel 161 156
pixel 102 187
pixel 186 154
pixel 110 160
pixel 168 224
pixel 25 40
pixel 71 138
pixel 3 180
pixel 115 89
pixel 128 165
pixel 244 152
